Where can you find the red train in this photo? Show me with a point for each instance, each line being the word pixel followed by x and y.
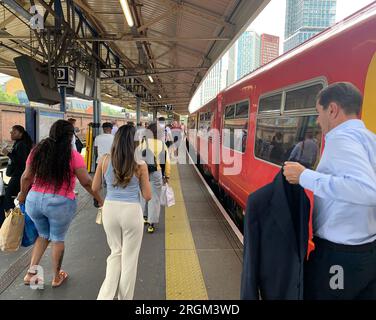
pixel 269 111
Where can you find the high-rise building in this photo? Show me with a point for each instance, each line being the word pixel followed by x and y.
pixel 232 64
pixel 248 53
pixel 211 86
pixel 269 48
pixel 306 18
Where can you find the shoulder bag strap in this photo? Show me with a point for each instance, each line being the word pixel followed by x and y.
pixel 104 161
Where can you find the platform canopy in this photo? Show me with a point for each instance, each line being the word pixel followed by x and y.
pixel 160 53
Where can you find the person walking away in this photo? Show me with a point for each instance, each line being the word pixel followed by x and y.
pixel 305 152
pixel 16 164
pixel 158 149
pixel 343 264
pixel 164 134
pixel 102 146
pixel 51 171
pixel 122 213
pixel 115 127
pixel 103 142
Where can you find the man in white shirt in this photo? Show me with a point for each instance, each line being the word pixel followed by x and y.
pixel 103 142
pixel 114 127
pixel 344 185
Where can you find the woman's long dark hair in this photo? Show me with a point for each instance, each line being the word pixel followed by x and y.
pixel 25 136
pixel 122 155
pixel 52 156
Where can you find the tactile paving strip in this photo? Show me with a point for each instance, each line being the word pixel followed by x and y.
pixel 14 270
pixel 184 279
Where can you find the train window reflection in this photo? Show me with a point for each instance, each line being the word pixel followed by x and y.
pixel 235 137
pixel 230 112
pixel 304 98
pixel 279 139
pixel 204 124
pixel 242 110
pixel 192 122
pixel 272 103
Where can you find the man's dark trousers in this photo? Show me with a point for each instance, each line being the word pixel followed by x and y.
pixel 340 272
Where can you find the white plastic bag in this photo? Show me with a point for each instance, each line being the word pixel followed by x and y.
pixel 167 196
pixel 163 198
pixel 2 187
pixel 170 197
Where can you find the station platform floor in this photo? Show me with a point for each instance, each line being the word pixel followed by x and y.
pixel 193 254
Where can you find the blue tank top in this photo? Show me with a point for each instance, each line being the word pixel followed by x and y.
pixel 131 193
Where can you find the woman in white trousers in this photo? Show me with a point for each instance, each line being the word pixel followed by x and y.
pixel 122 214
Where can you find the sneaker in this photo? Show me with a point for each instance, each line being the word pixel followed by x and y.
pixel 151 229
pixel 145 220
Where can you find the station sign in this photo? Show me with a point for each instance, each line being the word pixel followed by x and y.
pixel 169 107
pixel 65 76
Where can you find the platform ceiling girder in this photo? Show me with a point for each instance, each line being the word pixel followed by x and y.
pixel 174 42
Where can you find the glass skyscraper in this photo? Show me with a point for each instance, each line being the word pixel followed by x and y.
pixel 249 46
pixel 306 18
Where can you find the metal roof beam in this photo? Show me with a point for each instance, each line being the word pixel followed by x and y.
pixel 172 10
pixel 199 11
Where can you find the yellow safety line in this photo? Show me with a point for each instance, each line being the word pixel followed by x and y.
pixel 184 280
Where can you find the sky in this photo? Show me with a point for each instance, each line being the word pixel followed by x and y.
pixel 275 11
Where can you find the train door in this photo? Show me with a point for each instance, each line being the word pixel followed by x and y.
pixel 369 110
pixel 214 140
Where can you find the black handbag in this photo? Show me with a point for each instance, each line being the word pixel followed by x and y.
pixel 150 159
pixel 79 144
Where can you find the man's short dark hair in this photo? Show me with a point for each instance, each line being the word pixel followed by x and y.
pixel 345 94
pixel 107 125
pixel 161 119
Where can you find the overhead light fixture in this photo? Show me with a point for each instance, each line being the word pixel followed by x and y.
pixel 127 12
pixel 151 79
pixel 160 97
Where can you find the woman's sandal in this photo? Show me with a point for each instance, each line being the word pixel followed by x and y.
pixel 62 276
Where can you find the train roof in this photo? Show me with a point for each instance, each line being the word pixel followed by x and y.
pixel 340 27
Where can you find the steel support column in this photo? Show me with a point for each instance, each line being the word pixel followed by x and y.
pixel 138 110
pixel 63 101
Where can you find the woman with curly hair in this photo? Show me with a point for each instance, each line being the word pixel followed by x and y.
pixel 51 171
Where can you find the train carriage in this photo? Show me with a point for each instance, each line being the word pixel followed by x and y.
pixel 264 115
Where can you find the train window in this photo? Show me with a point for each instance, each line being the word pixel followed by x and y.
pixel 192 122
pixel 242 110
pixel 279 139
pixel 272 103
pixel 230 112
pixel 304 98
pixel 235 134
pixel 204 124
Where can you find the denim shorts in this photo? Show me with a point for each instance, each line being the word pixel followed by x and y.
pixel 52 214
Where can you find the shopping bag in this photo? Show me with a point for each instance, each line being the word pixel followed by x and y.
pixel 2 185
pixel 170 197
pixel 163 198
pixel 11 231
pixel 30 233
pixel 98 219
